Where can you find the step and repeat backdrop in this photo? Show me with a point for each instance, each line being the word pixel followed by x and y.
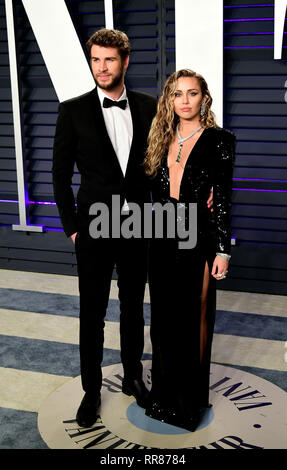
pixel 240 48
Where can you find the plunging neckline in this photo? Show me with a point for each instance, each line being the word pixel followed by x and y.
pixel 183 168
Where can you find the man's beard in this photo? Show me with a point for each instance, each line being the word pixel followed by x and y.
pixel 113 84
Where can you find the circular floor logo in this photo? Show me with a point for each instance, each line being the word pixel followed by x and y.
pixel 247 413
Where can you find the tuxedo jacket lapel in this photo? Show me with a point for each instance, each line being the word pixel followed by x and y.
pixel 136 128
pixel 104 144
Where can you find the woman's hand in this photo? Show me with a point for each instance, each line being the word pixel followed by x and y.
pixel 219 268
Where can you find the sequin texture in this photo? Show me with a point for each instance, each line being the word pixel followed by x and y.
pixel 209 165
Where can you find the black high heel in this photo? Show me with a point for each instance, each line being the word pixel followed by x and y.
pixel 192 422
pixel 156 411
pixel 205 407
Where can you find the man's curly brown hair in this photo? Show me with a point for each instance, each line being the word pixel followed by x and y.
pixel 110 38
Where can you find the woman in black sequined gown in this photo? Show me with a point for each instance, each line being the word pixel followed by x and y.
pixel 183 281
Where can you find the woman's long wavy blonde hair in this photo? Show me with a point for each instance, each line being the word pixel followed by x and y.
pixel 165 121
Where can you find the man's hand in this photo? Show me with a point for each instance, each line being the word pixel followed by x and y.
pixel 73 237
pixel 210 201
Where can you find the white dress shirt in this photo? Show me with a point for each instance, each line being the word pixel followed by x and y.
pixel 119 126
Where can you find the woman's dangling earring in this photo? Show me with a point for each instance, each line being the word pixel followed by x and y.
pixel 202 109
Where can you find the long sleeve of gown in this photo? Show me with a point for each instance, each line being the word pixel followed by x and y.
pixel 222 189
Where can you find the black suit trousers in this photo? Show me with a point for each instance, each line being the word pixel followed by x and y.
pixel 96 259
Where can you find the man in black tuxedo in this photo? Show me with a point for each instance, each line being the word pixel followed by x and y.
pixel 105 133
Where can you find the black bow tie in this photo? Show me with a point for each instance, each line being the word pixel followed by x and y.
pixel 120 104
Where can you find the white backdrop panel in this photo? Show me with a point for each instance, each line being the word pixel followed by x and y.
pixel 199 44
pixel 60 47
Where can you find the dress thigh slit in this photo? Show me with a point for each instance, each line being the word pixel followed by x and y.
pixel 203 322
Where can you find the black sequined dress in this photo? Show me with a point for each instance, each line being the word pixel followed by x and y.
pixel 182 310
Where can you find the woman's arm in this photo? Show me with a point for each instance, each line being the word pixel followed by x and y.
pixel 222 192
pixel 222 189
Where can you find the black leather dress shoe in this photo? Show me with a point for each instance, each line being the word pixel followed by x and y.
pixel 137 388
pixel 88 411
